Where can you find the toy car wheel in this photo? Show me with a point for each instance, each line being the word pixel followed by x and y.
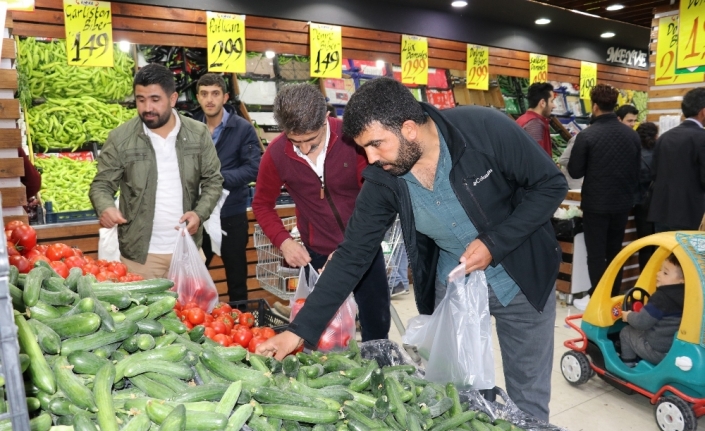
pixel 674 414
pixel 575 367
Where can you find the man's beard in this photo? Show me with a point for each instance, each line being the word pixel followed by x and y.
pixel 409 153
pixel 155 123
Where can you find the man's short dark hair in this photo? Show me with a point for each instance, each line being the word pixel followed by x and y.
pixel 211 79
pixel 647 133
pixel 384 100
pixel 625 110
pixel 300 108
pixel 154 73
pixel 693 102
pixel 605 96
pixel 538 92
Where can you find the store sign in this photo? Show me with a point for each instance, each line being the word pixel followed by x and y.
pixel 478 68
pixel 326 51
pixel 89 33
pixel 627 57
pixel 666 73
pixel 588 78
pixel 23 5
pixel 414 60
pixel 691 34
pixel 225 36
pixel 538 68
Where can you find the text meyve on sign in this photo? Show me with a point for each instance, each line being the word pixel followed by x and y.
pixel 226 42
pixel 89 33
pixel 627 57
pixel 478 68
pixel 414 60
pixel 588 78
pixel 326 51
pixel 538 68
pixel 666 55
pixel 691 34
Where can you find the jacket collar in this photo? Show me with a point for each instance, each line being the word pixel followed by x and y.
pixel 335 132
pixel 533 114
pixel 604 117
pixel 232 120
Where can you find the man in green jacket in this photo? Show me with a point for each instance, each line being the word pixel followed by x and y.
pixel 145 159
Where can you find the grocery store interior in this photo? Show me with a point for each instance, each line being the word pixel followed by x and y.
pixel 67 72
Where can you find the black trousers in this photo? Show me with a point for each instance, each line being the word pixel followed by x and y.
pixel 604 234
pixel 233 251
pixel 643 228
pixel 371 295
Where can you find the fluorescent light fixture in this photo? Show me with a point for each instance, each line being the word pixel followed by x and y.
pixel 607 34
pixel 269 54
pixel 615 7
pixel 542 21
pixel 459 3
pixel 585 13
pixel 380 64
pixel 124 45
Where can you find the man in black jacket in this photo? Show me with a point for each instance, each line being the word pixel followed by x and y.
pixel 469 186
pixel 608 155
pixel 678 199
pixel 238 149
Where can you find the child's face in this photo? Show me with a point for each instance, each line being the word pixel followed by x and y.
pixel 669 274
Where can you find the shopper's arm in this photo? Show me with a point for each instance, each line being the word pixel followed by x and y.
pixel 211 179
pixel 577 165
pixel 267 189
pixel 250 155
pixel 641 320
pixel 107 180
pixel 565 157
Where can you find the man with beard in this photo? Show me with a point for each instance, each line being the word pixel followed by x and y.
pixel 535 120
pixel 146 159
pixel 471 187
pixel 323 174
pixel 238 149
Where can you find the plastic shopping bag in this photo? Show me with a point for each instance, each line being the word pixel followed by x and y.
pixel 456 340
pixel 212 225
pixel 108 246
pixel 191 279
pixel 341 328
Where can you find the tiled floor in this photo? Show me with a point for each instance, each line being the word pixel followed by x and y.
pixel 594 406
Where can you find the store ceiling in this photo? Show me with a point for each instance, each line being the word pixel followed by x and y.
pixel 638 12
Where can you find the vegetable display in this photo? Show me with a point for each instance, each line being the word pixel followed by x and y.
pixel 66 182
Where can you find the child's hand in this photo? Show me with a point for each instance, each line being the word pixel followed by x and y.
pixel 625 314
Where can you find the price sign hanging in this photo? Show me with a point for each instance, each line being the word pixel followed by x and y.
pixel 226 42
pixel 478 68
pixel 326 51
pixel 666 44
pixel 22 5
pixel 89 33
pixel 588 78
pixel 538 68
pixel 691 34
pixel 414 60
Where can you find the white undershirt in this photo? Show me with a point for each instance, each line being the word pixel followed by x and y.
pixel 168 206
pixel 320 160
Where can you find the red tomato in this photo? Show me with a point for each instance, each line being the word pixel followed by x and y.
pixel 222 308
pixel 24 237
pixel 118 268
pixel 209 318
pixel 242 337
pixel 12 225
pixel 327 341
pixel 177 306
pixel 227 319
pixel 236 314
pixel 190 305
pixel 268 332
pixel 101 263
pixel 247 319
pixel 74 262
pixel 42 249
pixel 196 316
pixel 188 324
pixel 60 268
pixel 256 331
pixel 55 251
pixel 90 268
pixel 77 252
pixel 34 260
pixel 21 263
pixel 89 259
pixel 219 327
pixel 222 339
pixel 209 332
pixel 254 342
pixel 11 249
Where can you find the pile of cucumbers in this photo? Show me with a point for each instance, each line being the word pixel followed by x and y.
pixel 114 355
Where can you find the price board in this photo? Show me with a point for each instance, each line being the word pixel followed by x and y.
pixel 326 51
pixel 89 33
pixel 538 68
pixel 588 78
pixel 23 5
pixel 666 44
pixel 414 60
pixel 225 37
pixel 478 68
pixel 691 34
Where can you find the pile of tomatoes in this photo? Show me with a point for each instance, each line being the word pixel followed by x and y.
pixel 24 252
pixel 226 326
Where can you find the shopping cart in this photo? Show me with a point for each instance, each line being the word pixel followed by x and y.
pixel 273 274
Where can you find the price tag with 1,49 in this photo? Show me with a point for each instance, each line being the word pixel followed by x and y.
pixel 588 78
pixel 326 51
pixel 226 42
pixel 89 33
pixel 414 60
pixel 478 68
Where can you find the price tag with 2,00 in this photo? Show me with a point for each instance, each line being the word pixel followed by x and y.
pixel 538 68
pixel 226 42
pixel 89 33
pixel 326 51
pixel 588 78
pixel 478 68
pixel 414 60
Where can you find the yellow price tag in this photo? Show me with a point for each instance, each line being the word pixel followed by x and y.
pixel 666 55
pixel 89 33
pixel 588 78
pixel 326 51
pixel 478 68
pixel 691 35
pixel 226 42
pixel 538 68
pixel 23 5
pixel 414 60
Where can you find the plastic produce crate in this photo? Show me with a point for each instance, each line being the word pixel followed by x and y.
pixel 67 216
pixel 262 312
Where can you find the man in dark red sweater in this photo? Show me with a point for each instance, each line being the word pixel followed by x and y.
pixel 323 174
pixel 535 120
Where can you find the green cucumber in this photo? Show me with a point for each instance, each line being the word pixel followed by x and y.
pixel 452 393
pixel 267 395
pixel 138 423
pixel 196 333
pixel 86 362
pixel 151 327
pixel 16 294
pixel 239 417
pixel 209 392
pixel 145 286
pixel 232 372
pixel 48 340
pixel 150 387
pixel 176 385
pixel 173 353
pixel 363 381
pixel 136 313
pixel 85 305
pixel 14 275
pixel 120 299
pixel 161 307
pixel 42 376
pixel 154 297
pixel 176 420
pixel 107 351
pixel 232 353
pixel 329 380
pixel 174 369
pixel 352 414
pixel 71 385
pixel 99 339
pixel 258 423
pixel 257 363
pixel 33 284
pixel 442 406
pixel 173 325
pixel 227 402
pixel 312 371
pixel 300 414
pixel 55 284
pixel 71 281
pixel 65 297
pixel 165 340
pixel 24 362
pixel 43 311
pixel 394 395
pixel 454 421
pixel 290 366
pixel 382 408
pixel 102 392
pixel 85 290
pixel 76 325
pixel 59 406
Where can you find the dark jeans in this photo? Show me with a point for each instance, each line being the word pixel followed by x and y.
pixel 643 228
pixel 233 251
pixel 371 295
pixel 604 234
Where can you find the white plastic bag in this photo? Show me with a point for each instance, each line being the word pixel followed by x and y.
pixel 212 225
pixel 191 279
pixel 108 246
pixel 456 339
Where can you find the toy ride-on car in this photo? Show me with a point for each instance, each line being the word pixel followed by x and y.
pixel 677 384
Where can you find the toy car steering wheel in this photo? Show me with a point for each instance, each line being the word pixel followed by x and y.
pixel 629 298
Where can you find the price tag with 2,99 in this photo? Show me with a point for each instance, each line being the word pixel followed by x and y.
pixel 89 33
pixel 588 78
pixel 478 68
pixel 226 43
pixel 414 60
pixel 326 51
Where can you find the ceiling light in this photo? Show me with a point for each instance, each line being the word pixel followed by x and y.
pixel 584 13
pixel 615 7
pixel 607 34
pixel 542 21
pixel 380 64
pixel 459 3
pixel 269 54
pixel 124 46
